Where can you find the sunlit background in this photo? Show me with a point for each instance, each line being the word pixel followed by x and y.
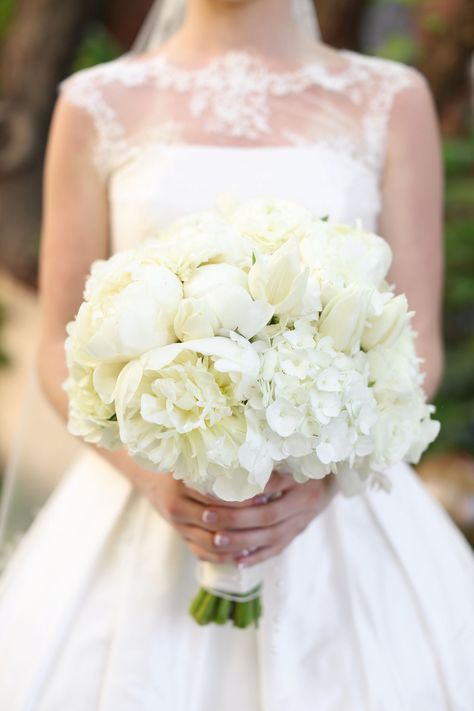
pixel 42 41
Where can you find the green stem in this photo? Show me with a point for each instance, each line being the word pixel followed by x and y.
pixel 223 611
pixel 206 609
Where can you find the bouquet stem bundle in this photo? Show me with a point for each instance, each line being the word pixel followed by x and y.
pixel 209 607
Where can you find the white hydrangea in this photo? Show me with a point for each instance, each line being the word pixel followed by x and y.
pixel 313 409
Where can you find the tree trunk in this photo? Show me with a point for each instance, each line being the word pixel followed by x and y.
pixel 446 32
pixel 37 53
pixel 340 21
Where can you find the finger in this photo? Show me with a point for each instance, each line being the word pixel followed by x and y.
pixel 205 555
pixel 209 500
pixel 261 554
pixel 268 514
pixel 238 542
pixel 279 482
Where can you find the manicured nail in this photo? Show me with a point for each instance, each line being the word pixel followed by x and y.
pixel 275 495
pixel 220 540
pixel 261 499
pixel 209 517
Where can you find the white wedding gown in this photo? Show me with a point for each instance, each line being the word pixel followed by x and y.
pixel 372 607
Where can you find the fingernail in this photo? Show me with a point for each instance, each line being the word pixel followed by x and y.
pixel 220 540
pixel 261 499
pixel 245 552
pixel 209 517
pixel 275 495
pixel 241 565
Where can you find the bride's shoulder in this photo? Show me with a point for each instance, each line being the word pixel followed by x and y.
pixel 379 74
pixel 90 79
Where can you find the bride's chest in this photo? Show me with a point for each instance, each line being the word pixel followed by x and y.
pixel 166 182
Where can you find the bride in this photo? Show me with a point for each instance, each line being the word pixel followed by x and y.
pixel 369 601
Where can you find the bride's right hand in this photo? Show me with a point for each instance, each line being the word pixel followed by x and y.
pixel 251 531
pixel 189 514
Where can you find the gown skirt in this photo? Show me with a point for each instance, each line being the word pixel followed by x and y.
pixel 370 609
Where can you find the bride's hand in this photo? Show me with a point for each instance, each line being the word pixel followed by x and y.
pixel 245 533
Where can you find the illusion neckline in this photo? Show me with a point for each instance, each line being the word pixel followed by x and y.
pixel 243 60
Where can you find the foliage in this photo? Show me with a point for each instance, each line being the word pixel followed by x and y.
pixel 399 48
pixel 6 12
pixel 4 358
pixel 455 401
pixel 97 46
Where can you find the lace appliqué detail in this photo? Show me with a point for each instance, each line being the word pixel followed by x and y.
pixel 237 98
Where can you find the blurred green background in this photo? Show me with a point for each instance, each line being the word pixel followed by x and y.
pixel 42 42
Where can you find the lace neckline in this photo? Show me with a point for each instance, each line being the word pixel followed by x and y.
pixel 239 98
pixel 250 70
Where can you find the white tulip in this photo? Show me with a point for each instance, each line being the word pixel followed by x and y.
pixel 386 328
pixel 280 280
pixel 344 318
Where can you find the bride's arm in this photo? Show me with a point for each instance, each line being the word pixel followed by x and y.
pixel 75 232
pixel 411 218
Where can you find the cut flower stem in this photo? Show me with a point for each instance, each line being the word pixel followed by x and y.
pixel 208 607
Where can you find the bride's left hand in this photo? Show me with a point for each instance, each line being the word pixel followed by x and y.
pixel 261 528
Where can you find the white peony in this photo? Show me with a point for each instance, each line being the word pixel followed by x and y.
pixel 203 238
pixel 180 408
pixel 131 302
pixel 268 224
pixel 221 290
pixel 90 391
pixel 343 256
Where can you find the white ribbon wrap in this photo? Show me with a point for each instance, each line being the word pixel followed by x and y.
pixel 229 581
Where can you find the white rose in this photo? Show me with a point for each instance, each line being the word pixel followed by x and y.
pixel 270 223
pixel 345 316
pixel 385 329
pixel 280 280
pixel 131 306
pixel 222 290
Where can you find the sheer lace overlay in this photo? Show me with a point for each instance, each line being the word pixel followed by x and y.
pixel 236 100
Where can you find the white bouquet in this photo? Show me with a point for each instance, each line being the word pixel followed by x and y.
pixel 244 340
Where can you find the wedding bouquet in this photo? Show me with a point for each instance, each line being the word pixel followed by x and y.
pixel 246 339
